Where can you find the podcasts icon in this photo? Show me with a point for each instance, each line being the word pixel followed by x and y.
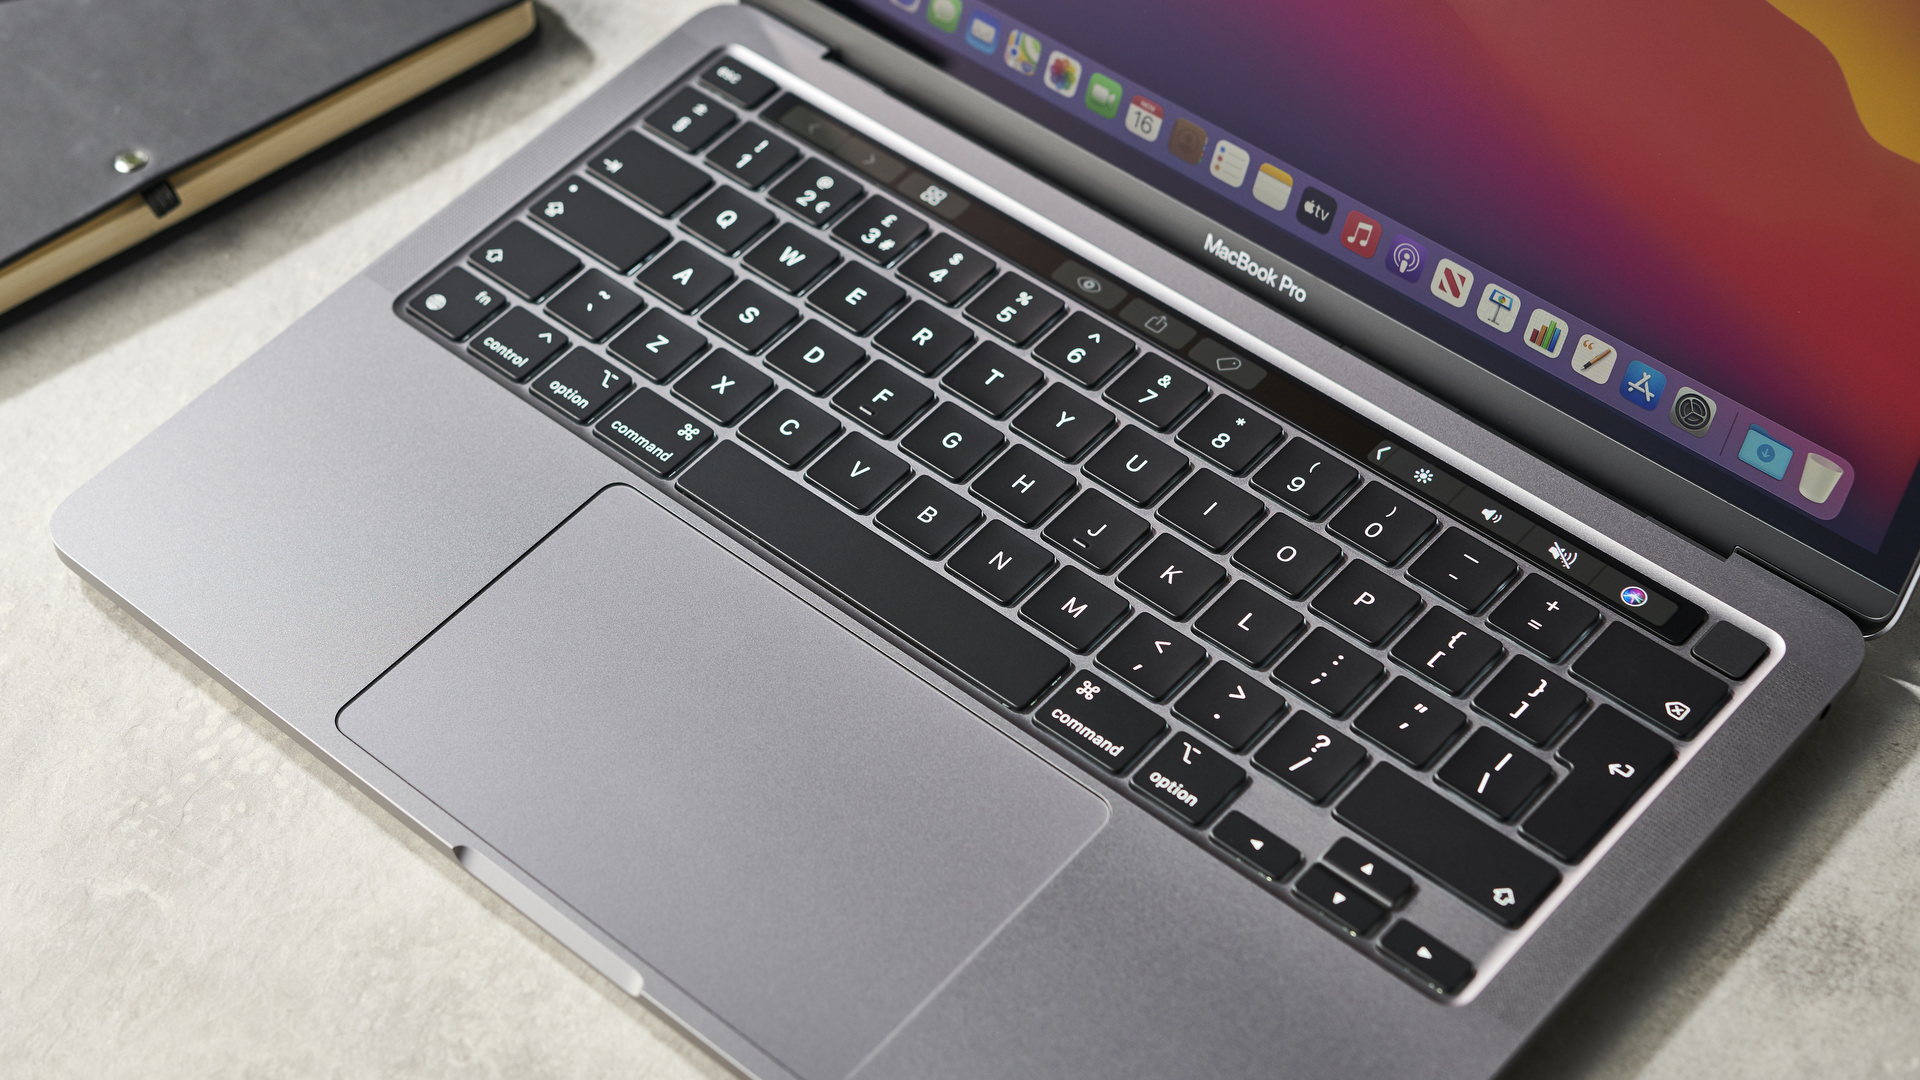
pixel 1406 257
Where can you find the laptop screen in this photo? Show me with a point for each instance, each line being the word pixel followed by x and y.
pixel 1693 227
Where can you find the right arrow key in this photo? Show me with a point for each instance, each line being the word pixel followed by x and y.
pixel 1614 759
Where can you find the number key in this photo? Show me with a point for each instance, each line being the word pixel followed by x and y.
pixel 1013 308
pixel 752 155
pixel 814 193
pixel 1230 434
pixel 1305 478
pixel 946 268
pixel 690 119
pixel 1156 391
pixel 1383 523
pixel 1084 348
pixel 880 230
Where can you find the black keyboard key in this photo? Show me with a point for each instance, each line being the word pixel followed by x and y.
pixel 723 386
pixel 653 432
pixel 594 304
pixel 880 230
pixel 1544 617
pixel 1447 843
pixel 1287 555
pixel 992 379
pixel 1023 485
pixel 690 119
pixel 857 472
pixel 1324 889
pixel 1063 421
pixel 815 192
pixel 1628 667
pixel 1189 778
pixel 1311 756
pixel 649 174
pixel 1256 846
pixel 658 344
pixel 581 384
pixel 1530 700
pixel 856 298
pixel 1448 651
pixel 790 428
pixel 922 338
pixel 792 258
pixel 946 268
pixel 523 260
pixel 1211 510
pixel 1230 433
pixel 1248 623
pixel 518 343
pixel 1367 602
pixel 1494 773
pixel 1382 522
pixel 1327 671
pixel 1085 349
pixel 952 441
pixel 896 589
pixel 1100 721
pixel 1074 608
pixel 1462 569
pixel 1096 530
pixel 1151 656
pixel 815 357
pixel 1726 649
pixel 1013 308
pixel 1388 883
pixel 928 516
pixel 1230 705
pixel 1156 391
pixel 1410 722
pixel 456 303
pixel 749 316
pixel 685 277
pixel 1305 478
pixel 737 82
pixel 1137 465
pixel 1613 760
pixel 727 220
pixel 752 155
pixel 1001 562
pixel 883 398
pixel 1442 968
pixel 1172 576
pixel 613 232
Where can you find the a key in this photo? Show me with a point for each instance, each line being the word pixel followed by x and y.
pixel 946 268
pixel 749 316
pixel 1305 478
pixel 883 398
pixel 684 277
pixel 1000 562
pixel 1172 576
pixel 856 298
pixel 1443 648
pixel 1156 391
pixel 1348 907
pixel 815 357
pixel 1256 846
pixel 1442 968
pixel 649 174
pixel 1462 570
pixel 1613 760
pixel 1544 617
pixel 1410 722
pixel 617 235
pixel 727 220
pixel 752 155
pixel 1023 485
pixel 1211 510
pixel 1063 421
pixel 1628 667
pixel 1725 648
pixel 1327 671
pixel 1530 700
pixel 880 230
pixel 1366 602
pixel 1074 608
pixel 815 192
pixel 922 338
pixel 952 441
pixel 857 472
pixel 518 343
pixel 456 303
pixel 1287 555
pixel 1084 349
pixel 1136 465
pixel 792 258
pixel 657 435
pixel 1248 623
pixel 1382 522
pixel 1386 882
pixel 1189 778
pixel 690 119
pixel 1096 530
pixel 1230 433
pixel 523 260
pixel 992 379
pixel 928 515
pixel 1311 757
pixel 1230 705
pixel 1494 773
pixel 581 384
pixel 790 428
pixel 657 344
pixel 594 304
pixel 1013 308
pixel 1100 721
pixel 1151 656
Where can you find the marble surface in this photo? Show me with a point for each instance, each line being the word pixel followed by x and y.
pixel 186 893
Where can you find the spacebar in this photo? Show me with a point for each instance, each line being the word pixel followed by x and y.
pixel 899 590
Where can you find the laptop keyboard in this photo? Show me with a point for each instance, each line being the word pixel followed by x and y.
pixel 1167 580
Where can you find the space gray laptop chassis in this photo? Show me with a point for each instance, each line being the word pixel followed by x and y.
pixel 403 480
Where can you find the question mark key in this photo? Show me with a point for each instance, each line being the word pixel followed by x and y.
pixel 1310 756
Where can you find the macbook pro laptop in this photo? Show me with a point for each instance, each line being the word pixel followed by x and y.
pixel 927 539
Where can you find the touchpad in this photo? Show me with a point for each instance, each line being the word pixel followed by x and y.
pixel 799 832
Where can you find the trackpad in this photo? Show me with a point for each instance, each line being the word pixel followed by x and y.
pixel 800 833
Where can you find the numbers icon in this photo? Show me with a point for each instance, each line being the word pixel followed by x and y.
pixel 1086 689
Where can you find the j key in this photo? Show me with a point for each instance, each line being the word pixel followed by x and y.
pixel 1613 761
pixel 1137 465
pixel 723 386
pixel 883 398
pixel 1309 756
pixel 1651 681
pixel 856 298
pixel 1446 650
pixel 927 515
pixel 1229 433
pixel 1327 671
pixel 946 268
pixel 880 230
pixel 1287 555
pixel 1013 308
pixel 518 343
pixel 1410 722
pixel 815 192
pixel 1085 349
pixel 815 357
pixel 727 220
pixel 685 277
pixel 1530 700
pixel 690 119
pixel 992 379
pixel 1096 530
pixel 1172 576
pixel 1494 773
pixel 1388 883
pixel 1382 522
pixel 1023 485
pixel 581 384
pixel 1462 569
pixel 1151 656
pixel 657 344
pixel 1324 889
pixel 654 433
pixel 790 428
pixel 1156 391
pixel 1230 705
pixel 1544 617
pixel 1367 602
pixel 1255 846
pixel 1063 421
pixel 792 258
pixel 1248 623
pixel 737 83
pixel 1305 478
pixel 594 304
pixel 456 303
pixel 857 472
pixel 749 316
pixel 1189 778
pixel 1210 510
pixel 952 441
pixel 523 260
pixel 752 155
pixel 1074 608
pixel 922 338
pixel 1000 562
pixel 649 174
pixel 602 224
pixel 1099 721
pixel 1448 843
pixel 1443 969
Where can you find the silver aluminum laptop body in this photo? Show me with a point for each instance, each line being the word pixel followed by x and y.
pixel 753 807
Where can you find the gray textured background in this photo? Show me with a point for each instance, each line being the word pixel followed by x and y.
pixel 184 892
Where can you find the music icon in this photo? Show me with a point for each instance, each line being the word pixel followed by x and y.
pixel 1361 234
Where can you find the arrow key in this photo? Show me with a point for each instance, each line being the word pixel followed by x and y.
pixel 1441 967
pixel 1256 846
pixel 1324 890
pixel 1385 881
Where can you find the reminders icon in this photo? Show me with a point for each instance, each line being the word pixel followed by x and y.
pixel 1273 186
